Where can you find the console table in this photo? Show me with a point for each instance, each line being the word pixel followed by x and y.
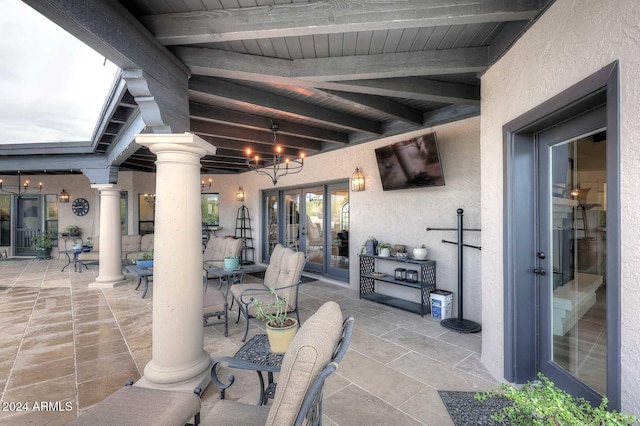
pixel 426 283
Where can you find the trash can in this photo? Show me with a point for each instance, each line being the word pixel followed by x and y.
pixel 441 301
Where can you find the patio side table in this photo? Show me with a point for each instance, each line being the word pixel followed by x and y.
pixel 256 356
pixel 230 276
pixel 142 274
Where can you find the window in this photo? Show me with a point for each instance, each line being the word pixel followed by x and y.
pixel 211 209
pixel 5 220
pixel 51 212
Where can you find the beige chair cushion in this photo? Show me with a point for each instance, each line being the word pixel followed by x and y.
pixel 146 243
pixel 218 248
pixel 285 269
pixel 227 412
pixel 311 350
pixel 130 244
pixel 214 302
pixel 133 405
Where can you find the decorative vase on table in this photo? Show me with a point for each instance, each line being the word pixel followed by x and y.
pixel 420 253
pixel 370 247
pixel 231 262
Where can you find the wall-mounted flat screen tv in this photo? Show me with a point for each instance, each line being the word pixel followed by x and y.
pixel 410 164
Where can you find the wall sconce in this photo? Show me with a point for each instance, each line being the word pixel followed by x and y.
pixel 240 195
pixel 63 197
pixel 205 186
pixel 357 181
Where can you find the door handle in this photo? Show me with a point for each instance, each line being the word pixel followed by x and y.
pixel 540 271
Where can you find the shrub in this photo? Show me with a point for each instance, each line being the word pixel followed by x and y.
pixel 542 403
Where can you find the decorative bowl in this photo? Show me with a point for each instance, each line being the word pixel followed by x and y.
pixel 420 253
pixel 400 248
pixel 402 255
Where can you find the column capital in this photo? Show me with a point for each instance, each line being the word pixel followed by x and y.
pixel 176 142
pixel 105 187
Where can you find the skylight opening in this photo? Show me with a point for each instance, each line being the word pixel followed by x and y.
pixel 52 86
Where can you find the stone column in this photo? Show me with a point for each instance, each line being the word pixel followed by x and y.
pixel 110 244
pixel 179 361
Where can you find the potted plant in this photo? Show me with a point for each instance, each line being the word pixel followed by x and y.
pixel 145 260
pixel 281 329
pixel 42 243
pixel 370 246
pixel 420 253
pixel 73 230
pixel 542 403
pixel 384 249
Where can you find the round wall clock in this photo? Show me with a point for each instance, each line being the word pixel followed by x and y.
pixel 80 206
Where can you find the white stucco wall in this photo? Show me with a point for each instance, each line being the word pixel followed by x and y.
pixel 571 41
pixel 398 217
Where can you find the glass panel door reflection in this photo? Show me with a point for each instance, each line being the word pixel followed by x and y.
pixel 578 218
pixel 292 220
pixel 314 228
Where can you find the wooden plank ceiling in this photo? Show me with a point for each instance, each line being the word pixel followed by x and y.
pixel 329 73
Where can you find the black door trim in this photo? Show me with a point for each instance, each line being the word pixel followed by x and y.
pixel 519 220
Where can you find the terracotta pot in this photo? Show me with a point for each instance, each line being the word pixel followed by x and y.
pixel 280 337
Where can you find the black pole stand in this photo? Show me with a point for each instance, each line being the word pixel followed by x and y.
pixel 459 324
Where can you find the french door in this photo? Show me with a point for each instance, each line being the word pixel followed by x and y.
pixel 314 220
pixel 572 255
pixel 28 223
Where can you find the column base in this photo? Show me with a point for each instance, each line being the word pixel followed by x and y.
pixel 107 284
pixel 200 380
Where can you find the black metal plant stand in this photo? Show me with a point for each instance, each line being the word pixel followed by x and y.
pixel 460 324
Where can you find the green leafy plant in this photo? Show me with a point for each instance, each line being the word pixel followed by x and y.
pixel 273 314
pixel 383 246
pixel 542 403
pixel 43 240
pixel 147 255
pixel 72 229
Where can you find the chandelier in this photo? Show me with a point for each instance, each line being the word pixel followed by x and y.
pixel 151 200
pixel 277 166
pixel 21 188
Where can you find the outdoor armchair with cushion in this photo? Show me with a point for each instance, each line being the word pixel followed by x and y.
pixel 135 405
pixel 313 355
pixel 282 275
pixel 218 248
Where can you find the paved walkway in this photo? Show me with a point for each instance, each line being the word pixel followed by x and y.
pixel 64 347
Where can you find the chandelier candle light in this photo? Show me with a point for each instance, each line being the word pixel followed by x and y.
pixel 277 166
pixel 21 188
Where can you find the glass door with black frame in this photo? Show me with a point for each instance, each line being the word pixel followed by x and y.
pixel 572 256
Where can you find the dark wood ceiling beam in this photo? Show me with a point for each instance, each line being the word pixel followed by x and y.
pixel 224 90
pixel 222 63
pixel 250 135
pixel 239 66
pixel 382 105
pixel 389 65
pixel 220 115
pixel 237 149
pixel 329 17
pixel 412 88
